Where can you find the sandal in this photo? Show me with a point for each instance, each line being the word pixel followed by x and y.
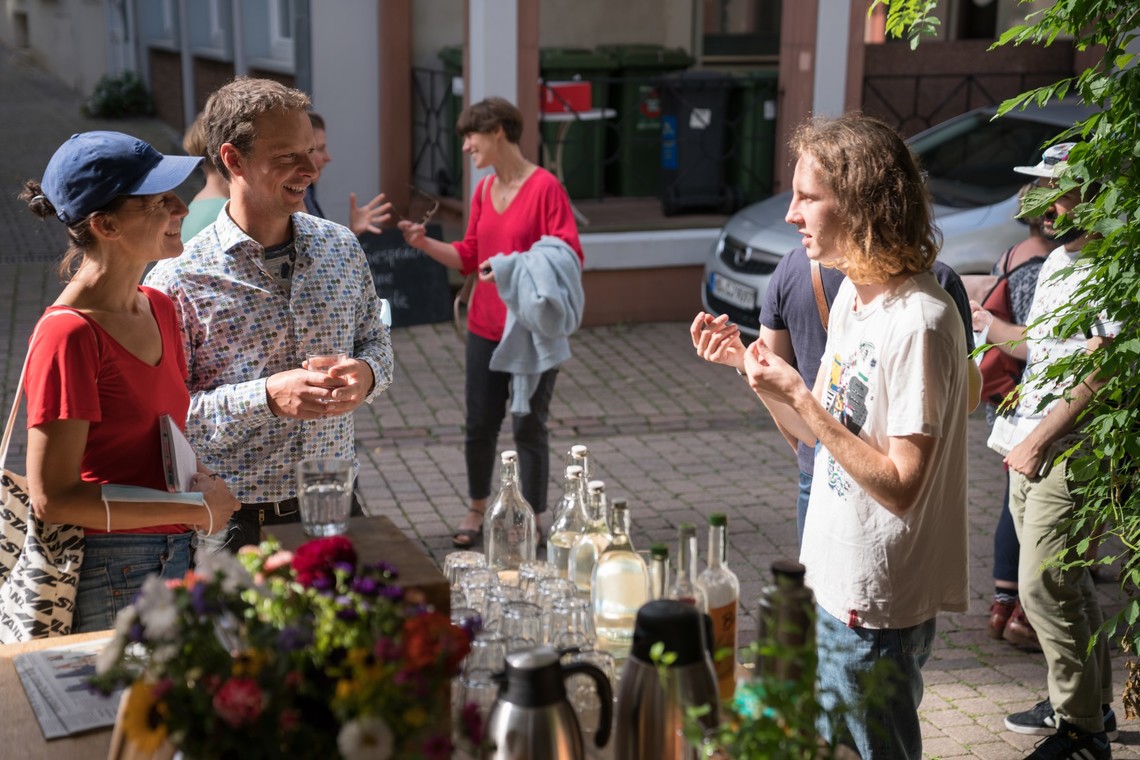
pixel 468 538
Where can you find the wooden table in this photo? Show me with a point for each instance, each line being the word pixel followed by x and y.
pixel 20 733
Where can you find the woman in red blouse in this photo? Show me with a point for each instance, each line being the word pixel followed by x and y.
pixel 105 363
pixel 512 208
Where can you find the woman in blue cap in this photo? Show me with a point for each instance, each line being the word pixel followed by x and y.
pixel 105 363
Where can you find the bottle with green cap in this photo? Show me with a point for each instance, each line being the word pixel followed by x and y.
pixel 722 594
pixel 620 585
pixel 685 588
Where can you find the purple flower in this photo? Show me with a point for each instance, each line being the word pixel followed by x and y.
pixel 347 613
pixel 365 586
pixel 395 593
pixel 437 747
pixel 291 638
pixel 324 584
pixel 472 723
pixel 348 568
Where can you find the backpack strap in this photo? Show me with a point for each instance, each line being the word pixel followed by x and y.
pixel 820 296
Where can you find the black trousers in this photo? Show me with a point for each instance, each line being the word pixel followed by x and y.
pixel 488 394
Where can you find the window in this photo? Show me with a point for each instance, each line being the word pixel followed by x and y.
pixel 282 15
pixel 740 29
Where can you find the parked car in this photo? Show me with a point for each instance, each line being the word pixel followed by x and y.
pixel 969 164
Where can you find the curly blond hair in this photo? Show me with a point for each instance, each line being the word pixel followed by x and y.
pixel 884 207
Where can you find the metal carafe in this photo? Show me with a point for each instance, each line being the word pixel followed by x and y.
pixel 651 708
pixel 532 718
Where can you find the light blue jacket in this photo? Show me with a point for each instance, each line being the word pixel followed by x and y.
pixel 542 289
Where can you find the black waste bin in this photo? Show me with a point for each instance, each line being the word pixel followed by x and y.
pixel 583 140
pixel 752 134
pixel 452 57
pixel 633 148
pixel 693 130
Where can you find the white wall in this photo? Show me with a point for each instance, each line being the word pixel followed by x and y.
pixel 435 24
pixel 346 87
pixel 65 37
pixel 586 23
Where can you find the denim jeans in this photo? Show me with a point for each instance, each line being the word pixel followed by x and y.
pixel 114 568
pixel 1007 549
pixel 802 503
pixel 870 686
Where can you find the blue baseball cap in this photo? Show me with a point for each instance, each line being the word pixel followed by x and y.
pixel 91 169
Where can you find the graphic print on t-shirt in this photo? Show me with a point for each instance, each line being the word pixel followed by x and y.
pixel 845 398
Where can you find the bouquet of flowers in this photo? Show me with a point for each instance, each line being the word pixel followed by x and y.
pixel 282 654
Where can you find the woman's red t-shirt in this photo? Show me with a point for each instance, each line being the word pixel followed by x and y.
pixel 77 371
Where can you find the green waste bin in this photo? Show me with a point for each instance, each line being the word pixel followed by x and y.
pixel 633 149
pixel 452 57
pixel 752 134
pixel 583 142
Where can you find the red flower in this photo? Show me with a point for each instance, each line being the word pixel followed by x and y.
pixel 317 559
pixel 239 701
pixel 430 636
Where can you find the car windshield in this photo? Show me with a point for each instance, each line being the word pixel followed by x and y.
pixel 969 163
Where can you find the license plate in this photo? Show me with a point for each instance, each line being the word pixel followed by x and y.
pixel 736 293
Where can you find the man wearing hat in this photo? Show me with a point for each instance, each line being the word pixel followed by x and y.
pixel 1061 604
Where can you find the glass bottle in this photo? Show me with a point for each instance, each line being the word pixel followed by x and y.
pixel 570 523
pixel 579 454
pixel 787 621
pixel 685 588
pixel 594 539
pixel 508 525
pixel 620 585
pixel 722 592
pixel 659 571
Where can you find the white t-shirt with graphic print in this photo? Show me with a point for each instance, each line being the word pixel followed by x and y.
pixel 895 368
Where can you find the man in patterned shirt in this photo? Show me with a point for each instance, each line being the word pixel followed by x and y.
pixel 260 289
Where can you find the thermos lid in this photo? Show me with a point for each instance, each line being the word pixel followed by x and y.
pixel 788 570
pixel 534 678
pixel 678 626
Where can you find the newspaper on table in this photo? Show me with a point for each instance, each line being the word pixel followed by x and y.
pixel 56 683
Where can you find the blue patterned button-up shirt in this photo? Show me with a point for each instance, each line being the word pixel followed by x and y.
pixel 240 326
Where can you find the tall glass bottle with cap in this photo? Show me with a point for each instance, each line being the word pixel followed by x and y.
pixel 659 571
pixel 685 588
pixel 620 585
pixel 579 454
pixel 570 523
pixel 722 592
pixel 594 539
pixel 508 525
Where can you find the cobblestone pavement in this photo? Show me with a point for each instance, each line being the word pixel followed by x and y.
pixel 678 437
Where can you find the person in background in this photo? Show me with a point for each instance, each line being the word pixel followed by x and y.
pixel 1060 601
pixel 208 203
pixel 362 219
pixel 885 537
pixel 791 325
pixel 511 210
pixel 105 363
pixel 258 291
pixel 1022 263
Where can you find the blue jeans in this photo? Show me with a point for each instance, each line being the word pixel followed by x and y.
pixel 802 503
pixel 1007 549
pixel 114 568
pixel 877 703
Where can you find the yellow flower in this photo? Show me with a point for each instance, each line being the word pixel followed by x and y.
pixel 142 719
pixel 415 717
pixel 249 663
pixel 345 688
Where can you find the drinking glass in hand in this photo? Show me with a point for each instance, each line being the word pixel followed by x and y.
pixel 324 492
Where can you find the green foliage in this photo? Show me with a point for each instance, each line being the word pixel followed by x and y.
pixel 909 18
pixel 118 96
pixel 1105 467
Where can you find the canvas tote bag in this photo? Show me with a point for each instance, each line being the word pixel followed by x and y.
pixel 39 562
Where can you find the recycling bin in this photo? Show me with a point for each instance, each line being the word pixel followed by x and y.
pixel 573 143
pixel 694 112
pixel 752 134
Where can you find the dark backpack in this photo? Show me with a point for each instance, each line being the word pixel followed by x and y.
pixel 1001 373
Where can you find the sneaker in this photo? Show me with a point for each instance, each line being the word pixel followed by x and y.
pixel 1000 613
pixel 1071 743
pixel 1040 720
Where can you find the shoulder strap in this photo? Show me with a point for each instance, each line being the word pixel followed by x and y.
pixel 11 424
pixel 820 296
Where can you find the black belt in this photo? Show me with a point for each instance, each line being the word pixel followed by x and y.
pixel 279 508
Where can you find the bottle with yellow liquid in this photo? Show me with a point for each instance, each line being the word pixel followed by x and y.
pixel 722 594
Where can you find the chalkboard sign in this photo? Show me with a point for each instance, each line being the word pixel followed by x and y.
pixel 414 283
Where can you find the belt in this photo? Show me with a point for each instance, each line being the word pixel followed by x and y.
pixel 279 508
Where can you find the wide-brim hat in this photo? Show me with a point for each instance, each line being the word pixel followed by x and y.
pixel 91 169
pixel 1053 161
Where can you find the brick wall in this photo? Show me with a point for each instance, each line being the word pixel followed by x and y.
pixel 166 86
